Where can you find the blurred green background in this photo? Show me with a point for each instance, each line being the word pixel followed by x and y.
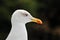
pixel 47 10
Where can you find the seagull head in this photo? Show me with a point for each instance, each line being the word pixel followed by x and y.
pixel 23 16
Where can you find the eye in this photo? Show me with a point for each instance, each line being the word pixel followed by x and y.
pixel 26 14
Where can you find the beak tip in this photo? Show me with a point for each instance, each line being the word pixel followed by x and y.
pixel 40 22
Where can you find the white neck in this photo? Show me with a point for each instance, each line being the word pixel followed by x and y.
pixel 18 32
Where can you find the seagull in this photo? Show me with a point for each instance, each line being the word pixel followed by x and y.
pixel 18 20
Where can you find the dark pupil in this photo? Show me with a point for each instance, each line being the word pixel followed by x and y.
pixel 26 14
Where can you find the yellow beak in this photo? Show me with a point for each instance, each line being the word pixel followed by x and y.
pixel 38 21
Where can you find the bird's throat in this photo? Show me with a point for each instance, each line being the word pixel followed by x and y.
pixel 18 31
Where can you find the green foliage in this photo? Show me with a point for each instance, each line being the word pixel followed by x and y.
pixel 9 6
